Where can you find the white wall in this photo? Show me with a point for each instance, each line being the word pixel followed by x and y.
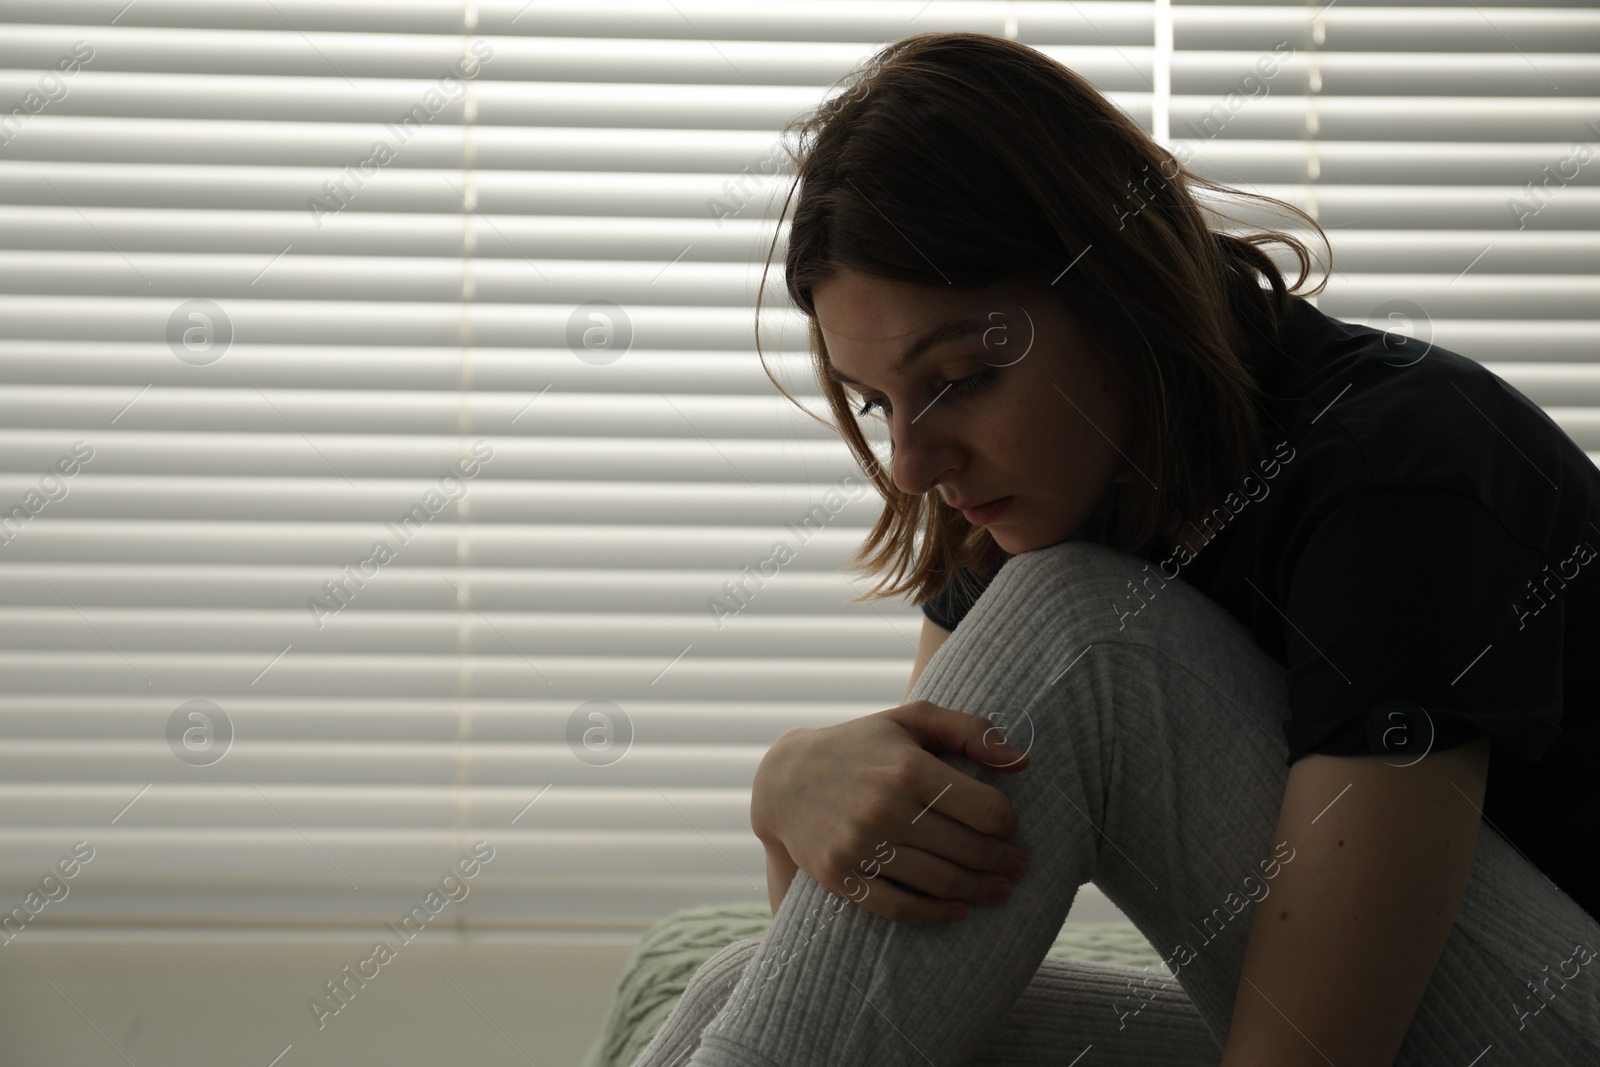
pixel 232 1001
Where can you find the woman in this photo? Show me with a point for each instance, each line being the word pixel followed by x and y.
pixel 1254 594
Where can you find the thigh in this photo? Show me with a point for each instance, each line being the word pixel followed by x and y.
pixel 1519 973
pixel 1111 1015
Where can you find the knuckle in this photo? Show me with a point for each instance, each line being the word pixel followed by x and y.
pixel 853 883
pixel 999 813
pixel 903 775
pixel 950 885
pixel 991 855
pixel 876 810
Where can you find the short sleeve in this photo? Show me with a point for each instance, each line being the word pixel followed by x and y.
pixel 1410 625
pixel 943 609
pixel 948 607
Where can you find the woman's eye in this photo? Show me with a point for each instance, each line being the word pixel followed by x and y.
pixel 963 386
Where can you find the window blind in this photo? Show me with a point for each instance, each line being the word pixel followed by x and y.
pixel 1447 149
pixel 398 481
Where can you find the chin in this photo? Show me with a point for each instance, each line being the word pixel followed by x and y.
pixel 1017 541
pixel 1014 542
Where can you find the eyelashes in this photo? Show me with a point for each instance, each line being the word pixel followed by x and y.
pixel 963 386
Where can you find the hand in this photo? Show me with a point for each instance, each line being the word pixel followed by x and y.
pixel 850 805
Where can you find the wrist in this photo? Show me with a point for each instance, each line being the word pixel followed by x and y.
pixel 761 792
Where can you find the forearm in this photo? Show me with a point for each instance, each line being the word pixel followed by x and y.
pixel 1358 921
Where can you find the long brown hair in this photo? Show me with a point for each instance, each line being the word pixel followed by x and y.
pixel 964 160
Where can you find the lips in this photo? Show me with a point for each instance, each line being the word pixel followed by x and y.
pixel 984 514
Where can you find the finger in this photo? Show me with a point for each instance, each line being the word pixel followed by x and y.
pixel 994 746
pixel 962 797
pixel 940 729
pixel 923 872
pixel 888 900
pixel 952 841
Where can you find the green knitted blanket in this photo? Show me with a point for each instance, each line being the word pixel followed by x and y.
pixel 674 948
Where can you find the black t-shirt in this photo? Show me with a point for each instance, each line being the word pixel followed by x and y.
pixel 1416 530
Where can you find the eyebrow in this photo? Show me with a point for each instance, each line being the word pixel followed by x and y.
pixel 917 349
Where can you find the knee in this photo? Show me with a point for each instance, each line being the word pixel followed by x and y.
pixel 1045 609
pixel 1096 590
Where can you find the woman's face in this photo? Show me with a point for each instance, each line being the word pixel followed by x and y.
pixel 1034 413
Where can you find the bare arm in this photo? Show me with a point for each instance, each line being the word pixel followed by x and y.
pixel 1353 927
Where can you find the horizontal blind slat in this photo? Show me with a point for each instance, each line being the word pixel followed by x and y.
pixel 383 321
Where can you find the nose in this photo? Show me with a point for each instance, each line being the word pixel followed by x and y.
pixel 920 452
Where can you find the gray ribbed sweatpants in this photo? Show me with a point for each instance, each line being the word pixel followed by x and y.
pixel 1158 766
